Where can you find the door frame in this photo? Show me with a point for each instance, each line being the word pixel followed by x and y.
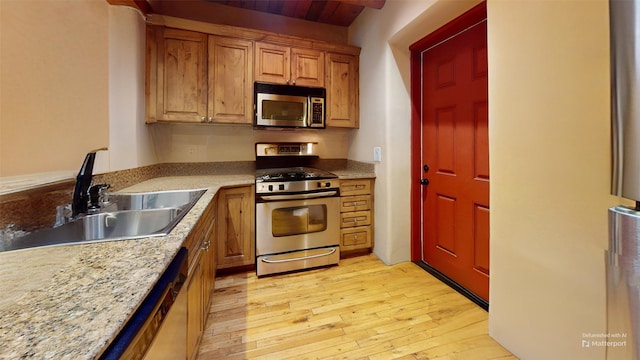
pixel 460 23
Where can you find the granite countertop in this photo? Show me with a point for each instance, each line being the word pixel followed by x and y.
pixel 69 302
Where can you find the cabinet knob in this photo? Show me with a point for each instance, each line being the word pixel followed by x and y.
pixel 203 119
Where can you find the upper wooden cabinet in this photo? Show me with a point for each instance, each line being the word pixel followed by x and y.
pixel 195 77
pixel 273 63
pixel 230 80
pixel 290 66
pixel 200 72
pixel 342 90
pixel 177 78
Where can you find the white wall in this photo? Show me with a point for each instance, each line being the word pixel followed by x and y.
pixel 549 156
pixel 550 162
pixel 130 143
pixel 176 143
pixel 72 81
pixel 54 88
pixel 385 108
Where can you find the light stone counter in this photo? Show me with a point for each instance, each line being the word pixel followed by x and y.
pixel 353 174
pixel 69 302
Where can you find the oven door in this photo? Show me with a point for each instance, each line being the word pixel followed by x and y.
pixel 289 225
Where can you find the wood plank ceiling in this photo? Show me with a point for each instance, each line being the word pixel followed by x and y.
pixel 341 13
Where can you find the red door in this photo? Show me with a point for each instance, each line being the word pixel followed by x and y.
pixel 455 158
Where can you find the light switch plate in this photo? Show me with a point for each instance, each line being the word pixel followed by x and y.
pixel 377 153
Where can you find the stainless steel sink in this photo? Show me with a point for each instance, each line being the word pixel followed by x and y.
pixel 138 215
pixel 153 200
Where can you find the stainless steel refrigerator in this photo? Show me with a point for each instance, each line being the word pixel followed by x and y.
pixel 623 256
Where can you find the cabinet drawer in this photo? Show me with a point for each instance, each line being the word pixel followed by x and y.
pixel 355 187
pixel 194 242
pixel 357 218
pixel 355 203
pixel 355 238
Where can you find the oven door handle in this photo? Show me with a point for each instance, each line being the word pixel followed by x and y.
pixel 300 196
pixel 331 251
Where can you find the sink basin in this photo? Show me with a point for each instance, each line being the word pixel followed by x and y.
pixel 137 215
pixel 154 200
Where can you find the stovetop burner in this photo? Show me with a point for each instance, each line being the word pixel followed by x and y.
pixel 292 174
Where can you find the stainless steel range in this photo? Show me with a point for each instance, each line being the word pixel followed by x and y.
pixel 297 210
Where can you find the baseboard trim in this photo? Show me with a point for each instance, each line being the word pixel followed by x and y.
pixel 454 285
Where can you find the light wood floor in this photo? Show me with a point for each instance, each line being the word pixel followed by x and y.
pixel 361 309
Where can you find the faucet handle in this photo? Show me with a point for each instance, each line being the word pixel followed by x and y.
pixel 63 214
pixel 96 195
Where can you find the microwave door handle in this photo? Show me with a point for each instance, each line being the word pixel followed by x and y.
pixel 309 115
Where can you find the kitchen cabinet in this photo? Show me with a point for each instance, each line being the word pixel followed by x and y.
pixel 342 81
pixel 200 246
pixel 230 80
pixel 210 256
pixel 236 240
pixel 356 214
pixel 290 66
pixel 195 300
pixel 177 75
pixel 195 77
pixel 201 72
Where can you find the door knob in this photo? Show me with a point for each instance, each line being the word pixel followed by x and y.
pixel 424 182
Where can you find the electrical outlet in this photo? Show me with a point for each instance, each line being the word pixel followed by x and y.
pixel 377 154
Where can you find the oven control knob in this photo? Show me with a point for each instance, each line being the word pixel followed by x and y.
pixel 328 184
pixel 281 187
pixel 270 187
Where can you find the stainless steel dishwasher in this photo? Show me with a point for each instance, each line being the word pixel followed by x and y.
pixel 158 329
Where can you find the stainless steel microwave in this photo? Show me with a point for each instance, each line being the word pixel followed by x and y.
pixel 289 106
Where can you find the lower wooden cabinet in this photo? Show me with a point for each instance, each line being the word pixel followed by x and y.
pixel 200 282
pixel 235 241
pixel 356 214
pixel 210 257
pixel 195 299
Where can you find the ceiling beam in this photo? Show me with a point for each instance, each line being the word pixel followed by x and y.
pixel 376 4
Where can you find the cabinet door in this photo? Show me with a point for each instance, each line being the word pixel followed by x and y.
pixel 194 307
pixel 210 258
pixel 273 63
pixel 342 90
pixel 230 80
pixel 181 75
pixel 236 243
pixel 307 67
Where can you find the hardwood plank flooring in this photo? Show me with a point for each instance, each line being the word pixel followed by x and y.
pixel 361 309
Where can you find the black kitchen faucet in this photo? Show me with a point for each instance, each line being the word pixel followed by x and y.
pixel 80 202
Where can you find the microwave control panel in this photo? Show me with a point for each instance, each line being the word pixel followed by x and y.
pixel 317 111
